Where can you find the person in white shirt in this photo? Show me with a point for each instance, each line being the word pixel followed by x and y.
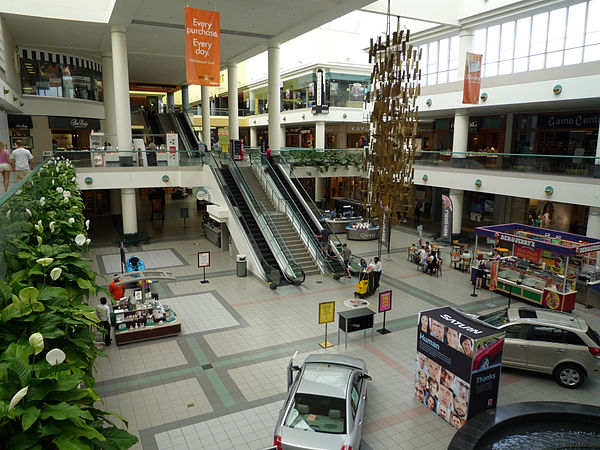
pixel 375 267
pixel 103 313
pixel 23 160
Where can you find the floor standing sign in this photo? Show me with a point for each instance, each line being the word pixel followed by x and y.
pixel 385 304
pixel 458 364
pixel 204 262
pixel 326 315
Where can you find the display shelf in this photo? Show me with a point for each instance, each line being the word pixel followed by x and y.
pixel 148 332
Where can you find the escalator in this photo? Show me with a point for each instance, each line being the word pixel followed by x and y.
pixel 304 210
pixel 187 129
pixel 252 229
pixel 155 129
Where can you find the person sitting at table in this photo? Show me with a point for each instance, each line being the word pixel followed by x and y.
pixel 432 262
pixel 412 250
pixel 428 246
pixel 423 258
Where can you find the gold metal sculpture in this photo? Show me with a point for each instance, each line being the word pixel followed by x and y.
pixel 395 86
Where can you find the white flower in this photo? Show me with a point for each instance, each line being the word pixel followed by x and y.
pixel 59 190
pixel 80 239
pixel 28 212
pixel 66 194
pixel 52 181
pixel 37 227
pixel 44 261
pixel 36 341
pixel 43 201
pixel 71 220
pixel 87 241
pixel 51 226
pixel 17 397
pixel 8 213
pixel 87 224
pixel 74 179
pixel 39 239
pixel 55 356
pixel 55 273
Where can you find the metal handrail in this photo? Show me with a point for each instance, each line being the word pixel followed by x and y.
pixel 283 205
pixel 265 219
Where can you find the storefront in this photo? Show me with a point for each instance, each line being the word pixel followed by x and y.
pixel 300 137
pixel 72 133
pixel 20 129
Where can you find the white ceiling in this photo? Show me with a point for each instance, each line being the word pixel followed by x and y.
pixel 155 34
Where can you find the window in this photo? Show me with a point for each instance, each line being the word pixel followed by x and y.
pixel 523 33
pixel 517 331
pixel 453 60
pixel 547 334
pixel 556 37
pixel 539 32
pixel 575 34
pixel 496 318
pixel 592 32
pixel 507 46
pixel 572 338
pixel 593 335
pixel 444 56
pixel 433 64
pixel 317 412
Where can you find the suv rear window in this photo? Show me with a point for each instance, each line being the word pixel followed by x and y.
pixel 593 335
pixel 496 318
pixel 318 413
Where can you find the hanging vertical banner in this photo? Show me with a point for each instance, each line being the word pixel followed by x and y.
pixel 202 47
pixel 420 235
pixel 446 232
pixel 472 78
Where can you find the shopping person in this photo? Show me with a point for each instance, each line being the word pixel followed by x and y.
pixel 22 159
pixel 5 164
pixel 376 267
pixel 117 292
pixel 347 255
pixel 103 313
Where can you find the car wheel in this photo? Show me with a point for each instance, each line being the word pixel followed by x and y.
pixel 485 362
pixel 570 376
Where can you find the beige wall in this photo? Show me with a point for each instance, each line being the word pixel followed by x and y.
pixel 42 137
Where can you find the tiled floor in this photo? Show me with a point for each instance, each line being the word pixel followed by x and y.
pixel 220 384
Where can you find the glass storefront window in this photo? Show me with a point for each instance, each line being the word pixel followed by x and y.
pixel 346 90
pixel 64 78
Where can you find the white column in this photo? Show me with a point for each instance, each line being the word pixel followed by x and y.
pixel 341 140
pixel 274 98
pixel 320 186
pixel 597 161
pixel 108 86
pixel 185 98
pixel 4 132
pixel 593 224
pixel 465 44
pixel 129 211
pixel 457 196
pixel 252 100
pixel 320 135
pixel 205 99
pixel 253 137
pixel 170 101
pixel 232 101
pixel 461 135
pixel 281 137
pixel 121 87
pixel 508 135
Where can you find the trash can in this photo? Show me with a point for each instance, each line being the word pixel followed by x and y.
pixel 241 265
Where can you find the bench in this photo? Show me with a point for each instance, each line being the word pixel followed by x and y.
pixel 134 238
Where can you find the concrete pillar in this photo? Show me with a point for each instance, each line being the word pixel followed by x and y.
pixel 465 44
pixel 341 140
pixel 108 86
pixel 597 160
pixel 508 135
pixel 4 133
pixel 593 224
pixel 281 137
pixel 205 99
pixel 129 211
pixel 185 98
pixel 274 97
pixel 460 139
pixel 115 202
pixel 320 187
pixel 320 135
pixel 253 137
pixel 121 87
pixel 232 93
pixel 252 100
pixel 170 101
pixel 457 196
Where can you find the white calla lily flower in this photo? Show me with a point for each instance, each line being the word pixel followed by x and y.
pixel 45 261
pixel 51 226
pixel 55 273
pixel 43 201
pixel 36 341
pixel 39 239
pixel 28 212
pixel 8 213
pixel 71 220
pixel 88 241
pixel 80 239
pixel 17 397
pixel 59 190
pixel 55 356
pixel 67 194
pixel 87 224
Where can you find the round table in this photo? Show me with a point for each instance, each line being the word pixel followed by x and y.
pixel 355 303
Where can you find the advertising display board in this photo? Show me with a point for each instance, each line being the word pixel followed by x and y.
pixel 202 47
pixel 472 83
pixel 446 232
pixel 458 364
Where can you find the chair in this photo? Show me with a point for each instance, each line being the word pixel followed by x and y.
pixel 465 261
pixel 455 259
pixel 335 413
pixel 437 270
pixel 301 408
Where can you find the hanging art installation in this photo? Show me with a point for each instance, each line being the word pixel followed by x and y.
pixel 394 88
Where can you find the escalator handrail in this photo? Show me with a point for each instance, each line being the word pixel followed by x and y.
pixel 189 129
pixel 268 274
pixel 306 235
pixel 291 269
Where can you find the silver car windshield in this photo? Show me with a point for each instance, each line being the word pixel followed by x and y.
pixel 317 413
pixel 496 318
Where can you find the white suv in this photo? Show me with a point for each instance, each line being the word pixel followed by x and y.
pixel 553 342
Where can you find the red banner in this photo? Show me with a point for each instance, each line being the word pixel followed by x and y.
pixel 531 254
pixel 494 275
pixel 472 79
pixel 202 47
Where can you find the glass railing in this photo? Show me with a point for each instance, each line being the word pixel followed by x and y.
pixel 292 270
pixel 130 158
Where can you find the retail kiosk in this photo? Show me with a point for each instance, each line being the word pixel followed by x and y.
pixel 543 265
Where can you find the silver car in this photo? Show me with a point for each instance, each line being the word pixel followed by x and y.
pixel 553 342
pixel 325 404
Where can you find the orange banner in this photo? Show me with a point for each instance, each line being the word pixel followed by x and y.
pixel 472 79
pixel 202 47
pixel 494 275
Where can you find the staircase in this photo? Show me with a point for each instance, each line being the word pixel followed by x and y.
pixel 287 231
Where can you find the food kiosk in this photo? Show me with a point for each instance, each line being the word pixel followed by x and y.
pixel 362 231
pixel 542 265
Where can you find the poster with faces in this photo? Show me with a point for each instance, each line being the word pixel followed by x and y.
pixel 457 364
